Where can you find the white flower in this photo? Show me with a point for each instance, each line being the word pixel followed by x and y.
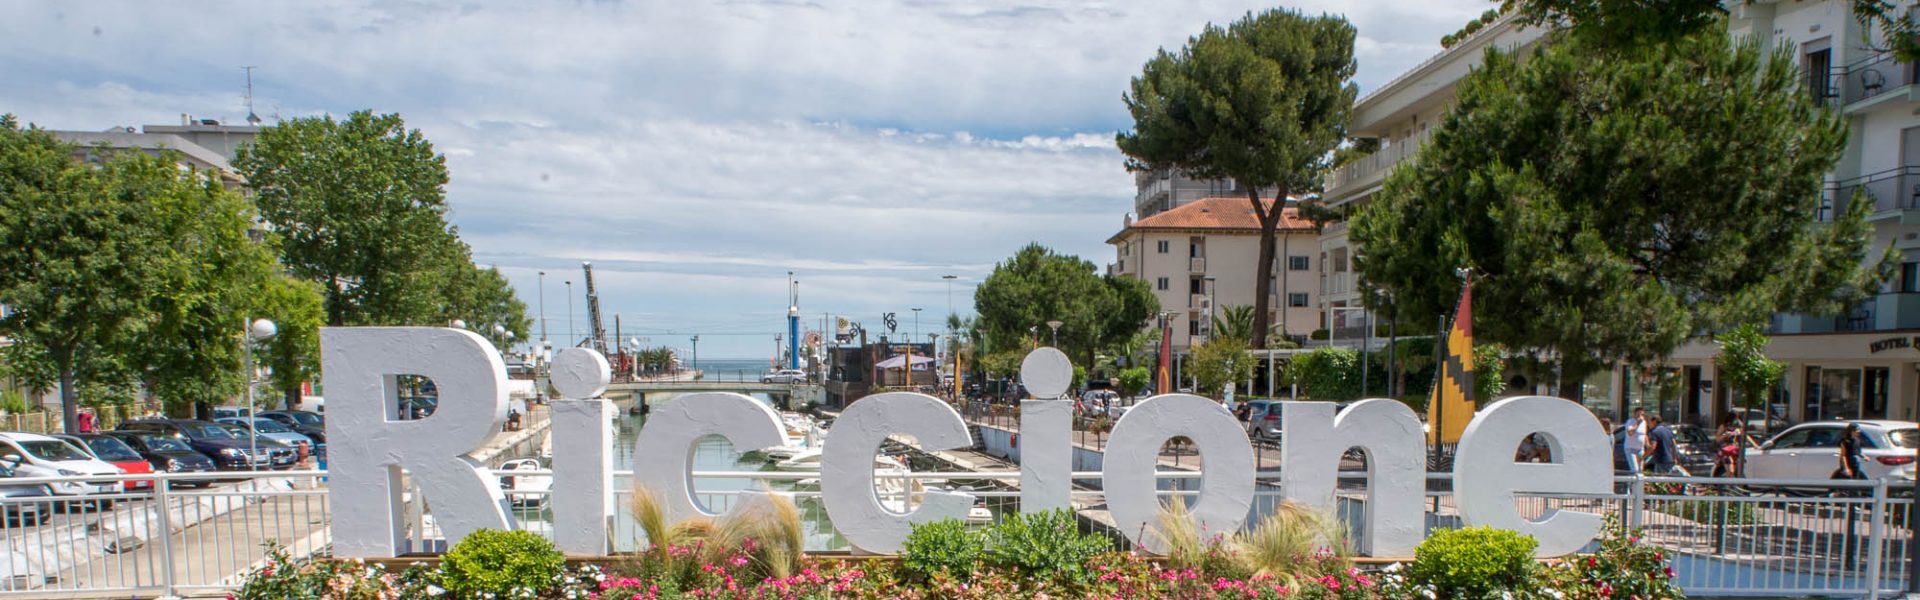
pixel 435 590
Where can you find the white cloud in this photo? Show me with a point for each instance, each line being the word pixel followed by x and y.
pixel 695 151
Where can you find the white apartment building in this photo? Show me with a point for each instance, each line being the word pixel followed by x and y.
pixel 1160 190
pixel 1861 364
pixel 1204 253
pixel 1399 115
pixel 1864 363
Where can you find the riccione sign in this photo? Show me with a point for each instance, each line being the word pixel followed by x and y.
pixel 370 447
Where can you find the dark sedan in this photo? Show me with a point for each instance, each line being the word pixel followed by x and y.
pixel 167 453
pixel 207 438
pixel 309 424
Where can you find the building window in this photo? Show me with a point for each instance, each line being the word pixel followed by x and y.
pixel 1299 263
pixel 1910 277
pixel 1819 69
pixel 1193 327
pixel 1195 286
pixel 1296 299
pixel 1164 246
pixel 1161 284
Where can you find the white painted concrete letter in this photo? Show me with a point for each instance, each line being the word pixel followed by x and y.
pixel 663 457
pixel 582 445
pixel 1046 449
pixel 1133 457
pixel 1486 478
pixel 369 444
pixel 846 477
pixel 1396 469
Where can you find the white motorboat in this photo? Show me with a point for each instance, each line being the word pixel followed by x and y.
pixel 525 490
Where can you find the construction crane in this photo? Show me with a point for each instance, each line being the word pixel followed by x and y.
pixel 599 339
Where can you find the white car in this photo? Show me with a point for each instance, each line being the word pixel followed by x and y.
pixel 785 376
pixel 34 455
pixel 1812 451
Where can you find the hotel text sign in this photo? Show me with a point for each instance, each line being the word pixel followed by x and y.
pixel 1882 345
pixel 370 446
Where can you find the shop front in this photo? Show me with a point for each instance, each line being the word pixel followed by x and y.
pixel 1829 376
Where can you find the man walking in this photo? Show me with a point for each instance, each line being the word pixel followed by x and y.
pixel 1661 453
pixel 1635 443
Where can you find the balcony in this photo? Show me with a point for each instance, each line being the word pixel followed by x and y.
pixel 1197 265
pixel 1890 191
pixel 1874 77
pixel 1335 284
pixel 1364 172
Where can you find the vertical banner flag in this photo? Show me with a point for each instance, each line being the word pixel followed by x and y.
pixel 1451 406
pixel 1163 377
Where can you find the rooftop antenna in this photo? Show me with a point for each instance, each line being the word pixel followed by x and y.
pixel 252 119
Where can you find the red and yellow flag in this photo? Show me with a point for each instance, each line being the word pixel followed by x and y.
pixel 1451 405
pixel 1163 378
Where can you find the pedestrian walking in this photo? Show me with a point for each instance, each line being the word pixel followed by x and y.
pixel 1850 457
pixel 1662 456
pixel 1635 443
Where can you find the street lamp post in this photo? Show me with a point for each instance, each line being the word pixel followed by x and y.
pixel 543 306
pixel 696 353
pixel 258 330
pixel 1055 326
pixel 570 338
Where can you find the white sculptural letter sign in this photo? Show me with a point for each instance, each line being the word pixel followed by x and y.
pixel 371 446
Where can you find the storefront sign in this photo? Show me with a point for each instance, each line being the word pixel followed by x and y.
pixel 1892 343
pixel 371 447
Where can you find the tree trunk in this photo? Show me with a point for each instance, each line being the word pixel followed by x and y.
pixel 1263 269
pixel 292 401
pixel 69 401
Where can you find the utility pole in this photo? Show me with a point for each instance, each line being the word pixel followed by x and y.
pixel 793 322
pixel 570 338
pixel 696 353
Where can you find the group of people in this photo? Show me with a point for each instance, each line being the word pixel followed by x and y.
pixel 1650 446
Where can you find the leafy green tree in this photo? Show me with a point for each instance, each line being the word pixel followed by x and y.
pixel 1330 373
pixel 1036 285
pixel 482 298
pixel 1744 366
pixel 293 354
pixel 1233 322
pixel 1263 101
pixel 1218 362
pixel 1628 23
pixel 120 268
pixel 1134 379
pixel 360 203
pixel 1610 204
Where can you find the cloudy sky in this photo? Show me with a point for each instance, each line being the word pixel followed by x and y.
pixel 695 151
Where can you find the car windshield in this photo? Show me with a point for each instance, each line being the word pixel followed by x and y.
pixel 262 425
pixel 112 449
pixel 158 443
pixel 305 418
pixel 204 430
pixel 53 450
pixel 1905 438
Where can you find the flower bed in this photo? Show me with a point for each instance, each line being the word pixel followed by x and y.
pixel 1292 555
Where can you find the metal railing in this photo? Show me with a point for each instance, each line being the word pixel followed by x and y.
pixel 1889 190
pixel 1872 77
pixel 1723 536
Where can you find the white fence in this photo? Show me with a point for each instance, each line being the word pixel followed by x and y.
pixel 1785 538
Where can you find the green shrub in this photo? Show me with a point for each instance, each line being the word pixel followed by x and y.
pixel 1044 545
pixel 944 545
pixel 501 564
pixel 12 402
pixel 1473 562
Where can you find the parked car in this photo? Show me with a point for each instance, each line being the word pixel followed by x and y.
pixel 309 424
pixel 116 453
pixel 281 455
pixel 230 411
pixel 317 403
pixel 271 429
pixel 1812 451
pixel 24 503
pixel 1263 419
pixel 35 455
pixel 228 454
pixel 167 453
pixel 785 376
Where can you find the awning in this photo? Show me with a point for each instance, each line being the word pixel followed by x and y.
pixel 901 359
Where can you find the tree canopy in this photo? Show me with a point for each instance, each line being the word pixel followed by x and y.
pixel 1037 285
pixel 1631 23
pixel 1262 101
pixel 360 203
pixel 1612 204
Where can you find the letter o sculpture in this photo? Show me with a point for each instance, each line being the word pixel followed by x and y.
pixel 1133 457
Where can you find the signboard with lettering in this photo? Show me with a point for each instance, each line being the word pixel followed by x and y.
pixel 371 447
